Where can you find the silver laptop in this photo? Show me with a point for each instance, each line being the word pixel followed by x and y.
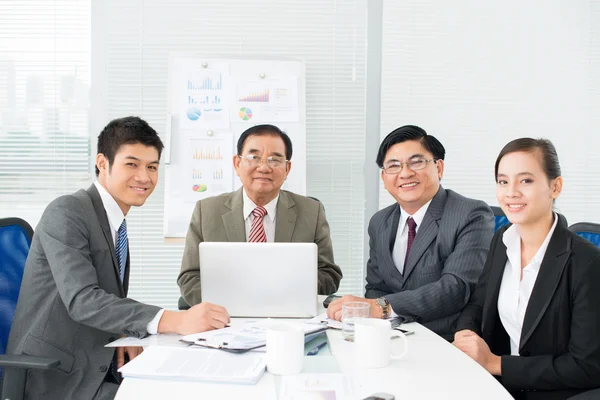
pixel 260 279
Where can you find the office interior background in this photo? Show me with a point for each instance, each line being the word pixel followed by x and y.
pixel 475 74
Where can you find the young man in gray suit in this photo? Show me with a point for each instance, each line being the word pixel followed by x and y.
pixel 73 295
pixel 259 212
pixel 428 250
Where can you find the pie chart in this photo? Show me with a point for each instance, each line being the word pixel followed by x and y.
pixel 245 113
pixel 199 188
pixel 193 113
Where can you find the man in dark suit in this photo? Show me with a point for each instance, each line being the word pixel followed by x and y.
pixel 73 295
pixel 427 250
pixel 263 162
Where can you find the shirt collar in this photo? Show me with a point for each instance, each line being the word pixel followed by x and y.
pixel 512 240
pixel 113 211
pixel 418 216
pixel 249 206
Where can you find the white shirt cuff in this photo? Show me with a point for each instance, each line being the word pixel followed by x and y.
pixel 152 326
pixel 392 313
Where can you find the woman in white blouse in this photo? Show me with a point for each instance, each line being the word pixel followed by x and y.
pixel 534 317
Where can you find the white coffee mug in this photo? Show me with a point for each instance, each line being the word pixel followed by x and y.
pixel 285 349
pixel 373 342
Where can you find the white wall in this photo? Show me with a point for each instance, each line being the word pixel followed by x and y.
pixel 477 74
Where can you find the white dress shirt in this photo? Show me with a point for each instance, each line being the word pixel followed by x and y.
pixel 515 292
pixel 268 220
pixel 401 244
pixel 115 219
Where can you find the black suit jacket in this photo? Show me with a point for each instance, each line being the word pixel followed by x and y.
pixel 560 341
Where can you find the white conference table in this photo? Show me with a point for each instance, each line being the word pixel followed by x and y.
pixel 432 369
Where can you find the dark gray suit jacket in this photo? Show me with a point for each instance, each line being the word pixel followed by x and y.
pixel 220 219
pixel 72 301
pixel 443 265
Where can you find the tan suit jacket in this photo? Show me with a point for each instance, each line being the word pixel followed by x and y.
pixel 220 219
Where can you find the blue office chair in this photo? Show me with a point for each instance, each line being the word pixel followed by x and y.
pixel 587 230
pixel 499 218
pixel 15 239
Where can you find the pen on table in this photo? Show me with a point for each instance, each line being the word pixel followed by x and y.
pixel 315 350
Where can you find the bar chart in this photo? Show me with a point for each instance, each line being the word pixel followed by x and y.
pixel 261 96
pixel 206 83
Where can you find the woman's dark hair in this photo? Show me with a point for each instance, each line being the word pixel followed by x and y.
pixel 265 129
pixel 546 149
pixel 128 130
pixel 406 133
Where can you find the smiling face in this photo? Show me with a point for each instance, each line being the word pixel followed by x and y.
pixel 262 183
pixel 523 189
pixel 412 189
pixel 132 176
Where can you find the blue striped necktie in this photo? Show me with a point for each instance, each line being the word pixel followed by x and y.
pixel 122 249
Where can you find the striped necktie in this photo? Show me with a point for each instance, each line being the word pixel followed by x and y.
pixel 257 231
pixel 122 249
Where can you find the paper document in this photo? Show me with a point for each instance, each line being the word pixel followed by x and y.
pixel 195 364
pixel 166 339
pixel 251 335
pixel 316 387
pixel 323 319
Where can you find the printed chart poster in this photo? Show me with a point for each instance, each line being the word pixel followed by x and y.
pixel 203 100
pixel 208 167
pixel 266 101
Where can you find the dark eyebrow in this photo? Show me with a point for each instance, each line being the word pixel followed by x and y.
pixel 418 155
pixel 519 174
pixel 276 154
pixel 137 159
pixel 253 151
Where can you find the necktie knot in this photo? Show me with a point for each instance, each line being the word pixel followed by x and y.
pixel 123 227
pixel 259 212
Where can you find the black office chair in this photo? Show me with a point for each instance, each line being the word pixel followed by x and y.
pixel 587 230
pixel 499 218
pixel 15 239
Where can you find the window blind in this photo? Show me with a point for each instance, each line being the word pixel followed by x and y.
pixel 44 106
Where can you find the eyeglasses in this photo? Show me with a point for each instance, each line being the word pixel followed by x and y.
pixel 417 164
pixel 256 161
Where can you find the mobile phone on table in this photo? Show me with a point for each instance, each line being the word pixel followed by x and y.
pixel 329 299
pixel 405 331
pixel 380 396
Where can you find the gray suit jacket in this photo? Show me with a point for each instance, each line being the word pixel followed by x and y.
pixel 444 263
pixel 72 301
pixel 220 219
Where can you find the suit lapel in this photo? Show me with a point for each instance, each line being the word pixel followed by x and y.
pixel 233 221
pixel 427 232
pixel 286 216
pixel 103 219
pixel 553 264
pixel 490 304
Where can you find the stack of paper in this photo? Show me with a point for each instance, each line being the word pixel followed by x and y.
pixel 158 362
pixel 251 335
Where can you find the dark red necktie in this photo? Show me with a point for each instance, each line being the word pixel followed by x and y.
pixel 412 232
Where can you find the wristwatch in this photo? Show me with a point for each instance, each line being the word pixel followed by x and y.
pixel 385 307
